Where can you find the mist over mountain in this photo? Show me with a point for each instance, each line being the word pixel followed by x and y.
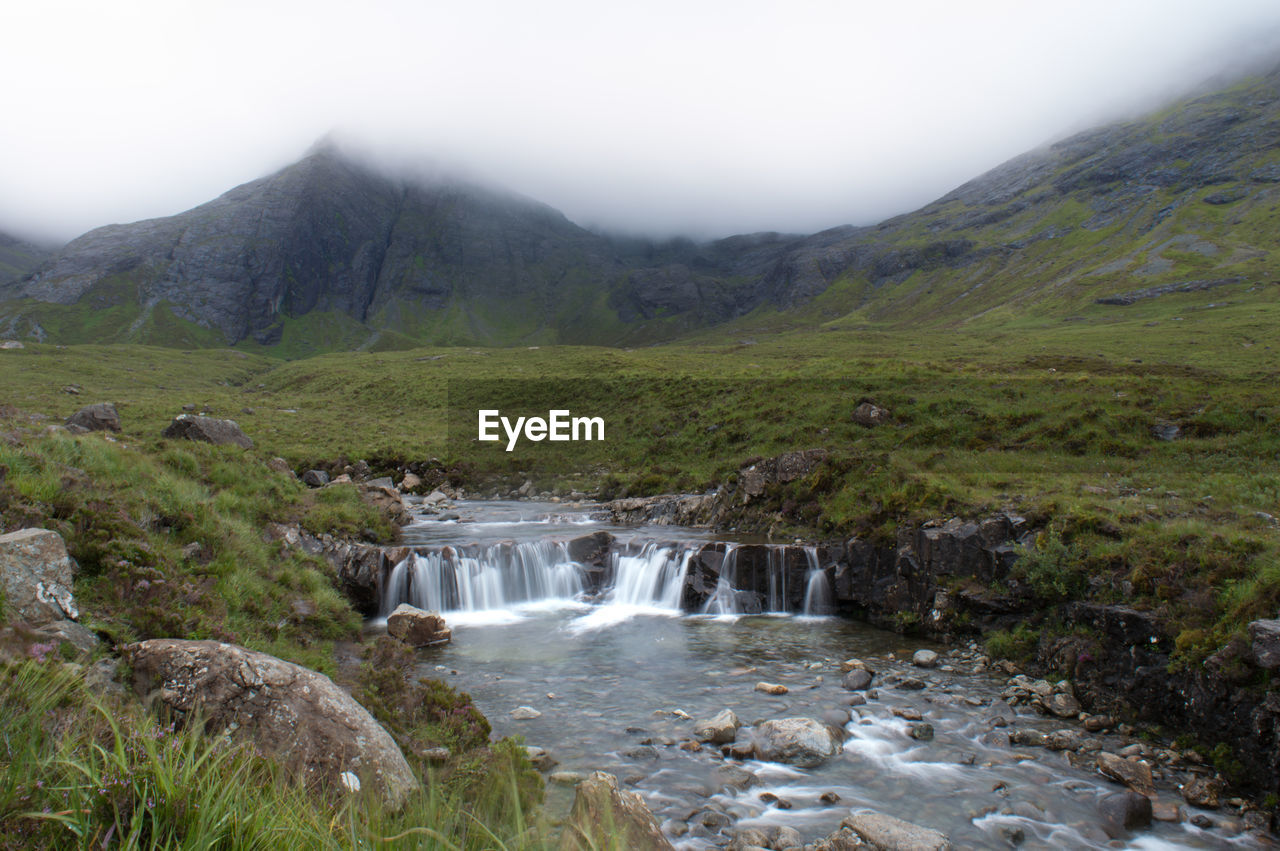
pixel 336 252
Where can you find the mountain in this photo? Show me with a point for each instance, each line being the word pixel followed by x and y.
pixel 331 253
pixel 18 257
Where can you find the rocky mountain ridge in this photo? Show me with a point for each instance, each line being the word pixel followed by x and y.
pixel 331 253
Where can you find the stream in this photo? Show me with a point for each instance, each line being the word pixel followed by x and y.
pixel 619 674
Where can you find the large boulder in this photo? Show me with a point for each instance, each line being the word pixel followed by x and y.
pixel 208 430
pixel 418 628
pixel 605 816
pixel 887 833
pixel 99 417
pixel 315 729
pixel 1121 812
pixel 1265 638
pixel 800 741
pixel 387 500
pixel 35 575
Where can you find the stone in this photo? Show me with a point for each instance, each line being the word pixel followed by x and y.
pixel 80 637
pixel 887 833
pixel 525 713
pixel 799 741
pixel 1121 812
pixel 99 417
pixel 410 483
pixel 1202 821
pixel 1166 811
pixel 924 659
pixel 606 816
pixel 281 466
pixel 434 498
pixel 908 713
pixel 567 778
pixel 12 344
pixel 103 677
pixel 857 680
pixel 921 732
pixel 35 575
pixel 1132 773
pixel 540 757
pixel 208 430
pixel 787 837
pixel 720 729
pixel 870 414
pixel 1203 791
pixel 315 478
pixel 1264 636
pixel 315 729
pixel 417 628
pixel 1063 706
pixel 843 839
pixel 771 688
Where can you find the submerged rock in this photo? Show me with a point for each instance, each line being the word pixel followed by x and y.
pixel 771 688
pixel 858 679
pixel 606 816
pixel 1124 811
pixel 313 727
pixel 887 833
pixel 799 741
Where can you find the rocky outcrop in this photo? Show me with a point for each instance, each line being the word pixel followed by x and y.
pixel 607 816
pixel 417 628
pixel 99 417
pixel 315 729
pixel 208 430
pixel 359 569
pixel 36 575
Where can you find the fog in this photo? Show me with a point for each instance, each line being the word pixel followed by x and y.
pixel 658 118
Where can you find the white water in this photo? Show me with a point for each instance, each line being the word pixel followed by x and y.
pixel 818 599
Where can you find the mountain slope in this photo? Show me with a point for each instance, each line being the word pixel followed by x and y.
pixel 1181 201
pixel 18 257
pixel 330 253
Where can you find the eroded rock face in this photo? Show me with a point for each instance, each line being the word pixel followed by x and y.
pixel 799 741
pixel 605 816
pixel 35 573
pixel 416 627
pixel 301 717
pixel 99 417
pixel 208 430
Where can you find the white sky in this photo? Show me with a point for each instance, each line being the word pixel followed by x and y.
pixel 702 117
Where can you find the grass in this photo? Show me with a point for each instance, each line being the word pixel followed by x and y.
pixel 83 771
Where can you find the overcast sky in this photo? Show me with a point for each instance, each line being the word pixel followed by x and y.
pixel 701 117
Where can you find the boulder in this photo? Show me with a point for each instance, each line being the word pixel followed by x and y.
pixel 800 741
pixel 387 500
pixel 718 730
pixel 858 679
pixel 1121 812
pixel 418 628
pixel 925 659
pixel 1063 706
pixel 605 816
pixel 99 417
pixel 315 478
pixel 208 430
pixel 83 639
pixel 1265 638
pixel 887 833
pixel 1131 772
pixel 279 465
pixel 35 575
pixel 316 730
pixel 410 483
pixel 1204 792
pixel 843 839
pixel 870 414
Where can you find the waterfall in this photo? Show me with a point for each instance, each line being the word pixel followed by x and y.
pixel 724 600
pixel 817 594
pixel 653 577
pixel 777 565
pixel 471 579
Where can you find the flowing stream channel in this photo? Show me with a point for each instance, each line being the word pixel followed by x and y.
pixel 620 672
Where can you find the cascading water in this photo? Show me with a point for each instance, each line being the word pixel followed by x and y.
pixel 724 600
pixel 817 594
pixel 653 577
pixel 471 579
pixel 777 567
